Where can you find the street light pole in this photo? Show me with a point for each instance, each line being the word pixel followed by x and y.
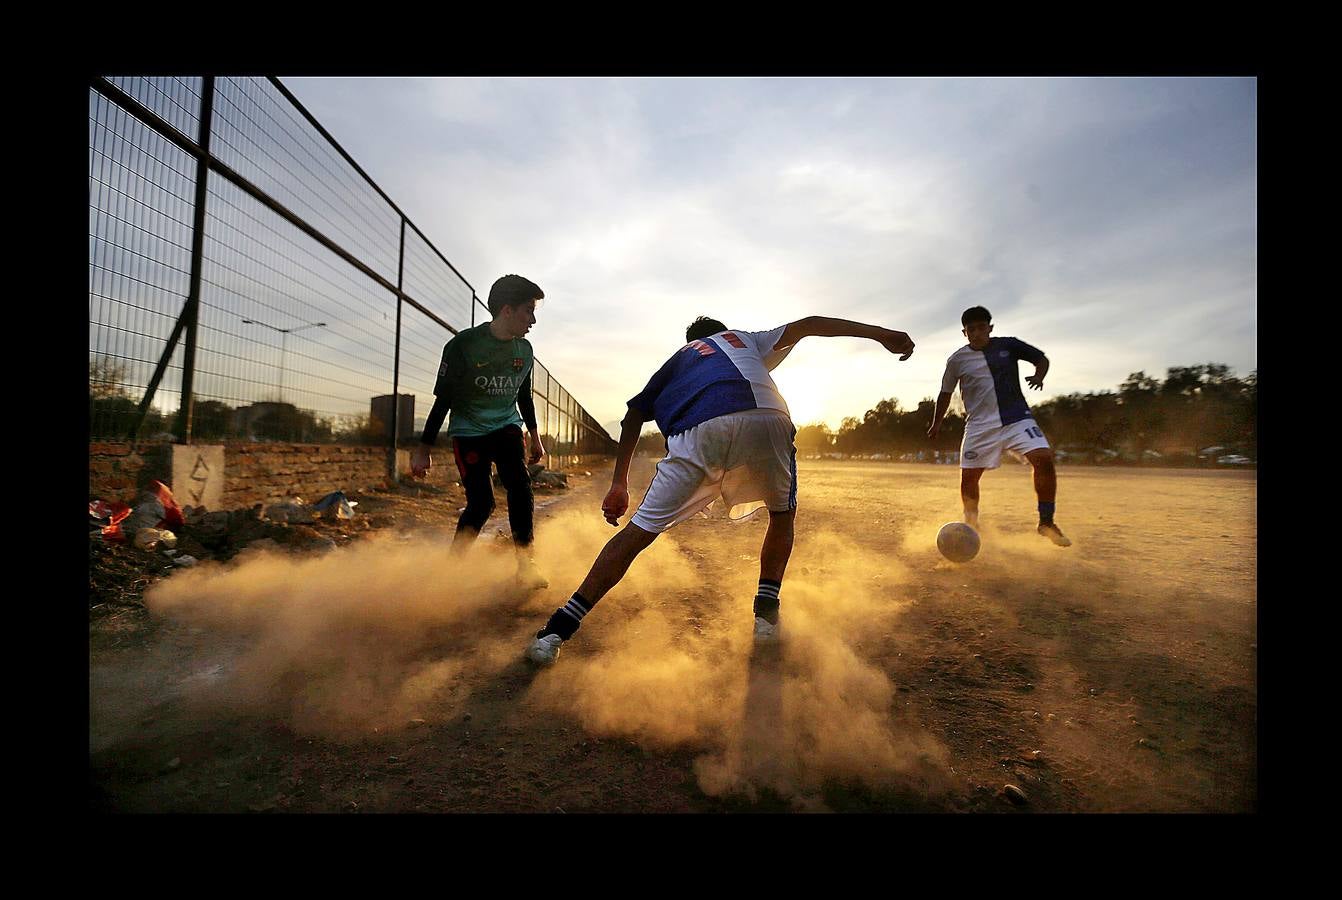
pixel 284 345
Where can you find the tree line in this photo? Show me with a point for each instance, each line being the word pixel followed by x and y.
pixel 1146 420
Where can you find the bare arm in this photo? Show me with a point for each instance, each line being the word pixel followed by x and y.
pixel 824 326
pixel 616 503
pixel 631 426
pixel 943 404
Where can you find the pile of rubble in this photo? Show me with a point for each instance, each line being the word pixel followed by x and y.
pixel 156 537
pixel 543 479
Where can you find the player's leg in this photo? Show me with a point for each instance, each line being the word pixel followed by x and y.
pixel 681 487
pixel 614 560
pixel 761 466
pixel 980 451
pixel 509 452
pixel 774 555
pixel 969 494
pixel 473 464
pixel 1027 438
pixel 1046 488
pixel 611 565
pixel 1045 478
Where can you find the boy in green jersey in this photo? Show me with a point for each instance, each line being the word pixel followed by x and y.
pixel 485 381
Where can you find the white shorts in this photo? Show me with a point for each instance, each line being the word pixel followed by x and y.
pixel 748 458
pixel 983 449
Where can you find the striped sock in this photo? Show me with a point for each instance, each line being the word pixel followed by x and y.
pixel 766 600
pixel 565 620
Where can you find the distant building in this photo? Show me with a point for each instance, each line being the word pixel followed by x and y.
pixel 245 417
pixel 380 416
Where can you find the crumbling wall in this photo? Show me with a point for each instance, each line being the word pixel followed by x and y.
pixel 256 473
pixel 122 471
pixel 269 473
pixel 264 473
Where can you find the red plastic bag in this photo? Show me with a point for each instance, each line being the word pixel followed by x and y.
pixel 172 513
pixel 114 513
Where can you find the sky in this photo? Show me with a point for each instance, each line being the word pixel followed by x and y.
pixel 1111 222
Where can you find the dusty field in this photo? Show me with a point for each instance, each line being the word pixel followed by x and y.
pixel 1116 675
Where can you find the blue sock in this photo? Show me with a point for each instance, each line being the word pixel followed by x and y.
pixel 1046 512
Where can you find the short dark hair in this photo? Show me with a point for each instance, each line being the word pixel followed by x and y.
pixel 702 327
pixel 512 290
pixel 975 314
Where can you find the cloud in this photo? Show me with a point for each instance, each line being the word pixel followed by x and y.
pixel 1075 209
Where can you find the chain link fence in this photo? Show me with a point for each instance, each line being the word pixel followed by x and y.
pixel 249 282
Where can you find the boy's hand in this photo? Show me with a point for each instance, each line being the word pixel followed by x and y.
pixel 537 448
pixel 1035 381
pixel 420 461
pixel 933 430
pixel 615 504
pixel 897 342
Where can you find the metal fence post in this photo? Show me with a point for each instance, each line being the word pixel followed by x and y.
pixel 178 244
pixel 191 314
pixel 394 473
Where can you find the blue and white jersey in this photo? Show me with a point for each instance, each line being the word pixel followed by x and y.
pixel 725 373
pixel 990 382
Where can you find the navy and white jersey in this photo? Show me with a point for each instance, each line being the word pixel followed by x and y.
pixel 990 382
pixel 725 373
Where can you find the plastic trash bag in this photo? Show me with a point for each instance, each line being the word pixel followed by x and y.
pixel 156 509
pixel 108 518
pixel 335 505
pixel 172 513
pixel 155 539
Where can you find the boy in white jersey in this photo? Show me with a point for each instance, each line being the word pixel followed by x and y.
pixel 728 432
pixel 997 417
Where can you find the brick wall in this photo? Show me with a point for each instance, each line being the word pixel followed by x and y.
pixel 120 471
pixel 269 473
pixel 253 473
pixel 265 473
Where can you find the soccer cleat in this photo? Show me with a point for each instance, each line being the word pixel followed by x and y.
pixel 1054 534
pixel 765 633
pixel 529 577
pixel 545 650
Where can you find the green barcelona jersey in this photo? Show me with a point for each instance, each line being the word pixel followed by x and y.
pixel 481 375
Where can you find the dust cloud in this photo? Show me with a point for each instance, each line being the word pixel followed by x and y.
pixel 364 637
pixel 676 665
pixel 898 669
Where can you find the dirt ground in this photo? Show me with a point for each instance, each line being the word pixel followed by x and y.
pixel 359 668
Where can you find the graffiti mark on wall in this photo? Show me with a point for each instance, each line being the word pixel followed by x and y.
pixel 200 479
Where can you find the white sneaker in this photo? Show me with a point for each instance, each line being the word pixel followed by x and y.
pixel 766 633
pixel 545 650
pixel 1054 534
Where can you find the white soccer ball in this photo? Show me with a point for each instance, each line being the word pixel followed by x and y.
pixel 958 542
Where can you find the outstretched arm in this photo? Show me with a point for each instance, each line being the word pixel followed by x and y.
pixel 824 326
